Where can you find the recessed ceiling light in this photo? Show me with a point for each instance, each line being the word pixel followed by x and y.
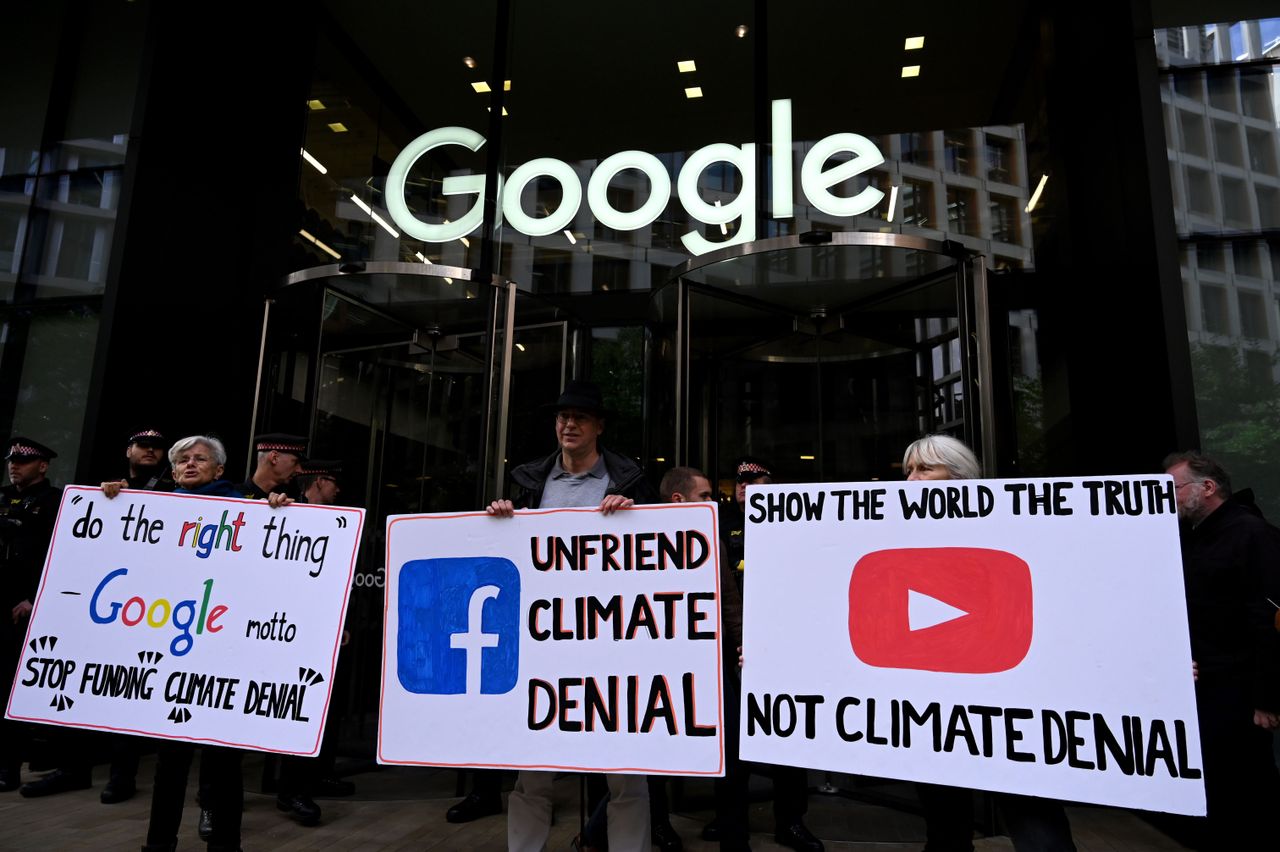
pixel 320 245
pixel 466 242
pixel 315 104
pixel 469 61
pixel 1035 196
pixel 506 85
pixel 569 235
pixel 693 92
pixel 740 30
pixel 910 70
pixel 338 127
pixel 806 458
pixel 686 65
pixel 913 43
pixel 481 86
pixel 520 346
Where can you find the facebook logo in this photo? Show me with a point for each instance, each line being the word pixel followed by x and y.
pixel 459 626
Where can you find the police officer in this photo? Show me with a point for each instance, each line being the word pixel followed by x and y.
pixel 148 470
pixel 28 511
pixel 280 457
pixel 303 777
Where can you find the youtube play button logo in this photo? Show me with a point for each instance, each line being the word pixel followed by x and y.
pixel 941 609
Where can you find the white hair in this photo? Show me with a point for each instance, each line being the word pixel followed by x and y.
pixel 944 451
pixel 214 445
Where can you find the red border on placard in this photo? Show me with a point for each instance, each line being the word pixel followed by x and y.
pixel 649 507
pixel 333 660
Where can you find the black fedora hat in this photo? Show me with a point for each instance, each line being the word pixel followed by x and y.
pixel 582 395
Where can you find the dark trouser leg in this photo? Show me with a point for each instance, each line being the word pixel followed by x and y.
pixel 731 790
pixel 125 754
pixel 225 795
pixel 1035 824
pixel 173 763
pixel 948 816
pixel 488 783
pixel 297 776
pixel 790 794
pixel 13 735
pixel 1240 779
pixel 659 807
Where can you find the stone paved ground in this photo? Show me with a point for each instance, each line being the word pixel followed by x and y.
pixel 398 808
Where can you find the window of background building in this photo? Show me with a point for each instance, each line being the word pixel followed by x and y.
pixel 1005 217
pixel 1000 163
pixel 1234 368
pixel 962 213
pixel 959 151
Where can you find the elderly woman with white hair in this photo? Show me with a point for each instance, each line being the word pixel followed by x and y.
pixel 1033 823
pixel 198 464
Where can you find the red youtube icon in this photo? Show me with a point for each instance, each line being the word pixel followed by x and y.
pixel 941 609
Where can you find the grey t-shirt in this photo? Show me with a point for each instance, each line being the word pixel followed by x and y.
pixel 564 490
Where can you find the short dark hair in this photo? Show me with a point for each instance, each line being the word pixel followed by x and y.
pixel 678 480
pixel 1203 467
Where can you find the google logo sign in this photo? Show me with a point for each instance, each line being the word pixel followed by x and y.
pixel 159 613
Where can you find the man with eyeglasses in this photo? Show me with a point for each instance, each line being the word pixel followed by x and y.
pixel 1231 567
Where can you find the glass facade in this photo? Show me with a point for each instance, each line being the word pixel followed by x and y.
pixel 1220 90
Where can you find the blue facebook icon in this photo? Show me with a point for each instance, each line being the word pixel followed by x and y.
pixel 459 625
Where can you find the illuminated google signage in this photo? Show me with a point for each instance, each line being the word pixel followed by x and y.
pixel 815 179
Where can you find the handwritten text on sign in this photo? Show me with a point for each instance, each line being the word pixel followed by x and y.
pixel 555 639
pixel 194 618
pixel 1027 636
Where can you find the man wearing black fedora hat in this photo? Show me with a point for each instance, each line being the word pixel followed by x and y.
pixel 580 472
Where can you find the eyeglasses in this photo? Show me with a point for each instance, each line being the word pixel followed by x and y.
pixel 1178 485
pixel 576 416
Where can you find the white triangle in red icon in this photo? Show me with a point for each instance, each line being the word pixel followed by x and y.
pixel 927 611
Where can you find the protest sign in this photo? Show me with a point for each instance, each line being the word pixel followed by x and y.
pixel 557 639
pixel 1025 636
pixel 203 619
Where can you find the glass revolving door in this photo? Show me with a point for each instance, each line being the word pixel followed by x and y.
pixel 824 354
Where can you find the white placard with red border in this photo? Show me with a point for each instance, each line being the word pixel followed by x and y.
pixel 1027 636
pixel 556 639
pixel 205 619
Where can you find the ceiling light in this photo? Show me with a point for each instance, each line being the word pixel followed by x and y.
pixel 315 104
pixel 338 127
pixel 806 458
pixel 893 202
pixel 490 109
pixel 910 70
pixel 481 86
pixel 913 43
pixel 693 92
pixel 466 242
pixel 1035 196
pixel 740 30
pixel 572 241
pixel 506 85
pixel 383 222
pixel 660 459
pixel 469 61
pixel 686 65
pixel 313 161
pixel 723 229
pixel 324 248
pixel 448 280
pixel 520 346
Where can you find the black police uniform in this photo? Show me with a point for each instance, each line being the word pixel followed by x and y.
pixel 27 517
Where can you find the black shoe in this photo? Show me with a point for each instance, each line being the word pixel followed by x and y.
pixel 10 779
pixel 56 781
pixel 473 807
pixel 796 836
pixel 300 809
pixel 118 790
pixel 711 831
pixel 204 827
pixel 332 788
pixel 665 837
